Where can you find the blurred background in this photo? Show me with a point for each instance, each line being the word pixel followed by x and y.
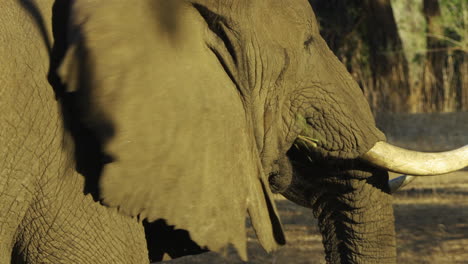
pixel 407 55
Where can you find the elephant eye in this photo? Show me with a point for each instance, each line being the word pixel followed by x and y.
pixel 308 41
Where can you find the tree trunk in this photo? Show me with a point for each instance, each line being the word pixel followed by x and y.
pixel 364 35
pixel 388 62
pixel 433 92
pixel 464 83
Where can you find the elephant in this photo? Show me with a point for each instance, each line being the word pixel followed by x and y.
pixel 131 128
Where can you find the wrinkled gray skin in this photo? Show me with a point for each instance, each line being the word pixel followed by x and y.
pixel 186 111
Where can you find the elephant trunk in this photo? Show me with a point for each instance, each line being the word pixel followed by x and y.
pixel 353 204
pixel 356 219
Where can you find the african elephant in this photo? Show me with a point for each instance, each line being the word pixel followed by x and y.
pixel 188 114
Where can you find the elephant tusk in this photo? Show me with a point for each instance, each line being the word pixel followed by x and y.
pixel 399 182
pixel 416 163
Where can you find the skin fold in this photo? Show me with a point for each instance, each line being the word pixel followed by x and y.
pixel 136 125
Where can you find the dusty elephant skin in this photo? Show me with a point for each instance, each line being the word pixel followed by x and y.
pixel 162 124
pixel 44 215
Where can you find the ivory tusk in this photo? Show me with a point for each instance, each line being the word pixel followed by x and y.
pixel 416 163
pixel 399 182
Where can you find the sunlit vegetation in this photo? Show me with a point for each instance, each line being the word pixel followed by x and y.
pixel 407 55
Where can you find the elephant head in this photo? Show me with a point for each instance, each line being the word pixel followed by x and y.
pixel 204 107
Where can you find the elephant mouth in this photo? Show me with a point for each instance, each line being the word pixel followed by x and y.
pixel 399 160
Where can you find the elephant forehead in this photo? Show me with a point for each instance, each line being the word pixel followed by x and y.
pixel 274 19
pixel 299 9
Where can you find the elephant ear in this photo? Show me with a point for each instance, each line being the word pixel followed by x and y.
pixel 180 138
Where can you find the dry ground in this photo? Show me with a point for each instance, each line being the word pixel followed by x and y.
pixel 431 221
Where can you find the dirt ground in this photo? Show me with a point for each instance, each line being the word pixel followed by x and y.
pixel 431 214
pixel 431 218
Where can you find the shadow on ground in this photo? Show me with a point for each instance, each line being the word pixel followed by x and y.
pixel 431 226
pixel 432 229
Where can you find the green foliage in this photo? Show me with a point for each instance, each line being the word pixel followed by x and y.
pixel 422 72
pixel 454 20
pixel 411 27
pixel 448 36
